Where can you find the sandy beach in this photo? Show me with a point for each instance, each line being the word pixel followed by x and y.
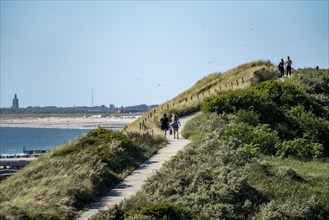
pixel 67 122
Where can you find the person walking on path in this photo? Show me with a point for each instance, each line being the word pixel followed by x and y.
pixel 164 124
pixel 288 66
pixel 175 124
pixel 281 68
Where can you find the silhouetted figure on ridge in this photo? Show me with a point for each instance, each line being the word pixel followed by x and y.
pixel 288 66
pixel 281 67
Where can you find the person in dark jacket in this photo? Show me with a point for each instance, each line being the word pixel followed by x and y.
pixel 164 124
pixel 281 67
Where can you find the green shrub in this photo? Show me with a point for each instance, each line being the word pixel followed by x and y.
pixel 252 149
pixel 165 211
pixel 301 149
pixel 11 212
pixel 308 125
pixel 292 209
pixel 249 117
pixel 262 137
pixel 286 107
pixel 114 213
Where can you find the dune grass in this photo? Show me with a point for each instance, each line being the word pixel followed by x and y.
pixel 67 179
pixel 190 100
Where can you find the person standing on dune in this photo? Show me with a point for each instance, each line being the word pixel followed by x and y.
pixel 281 67
pixel 288 66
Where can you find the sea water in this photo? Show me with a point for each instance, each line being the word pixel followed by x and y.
pixel 14 140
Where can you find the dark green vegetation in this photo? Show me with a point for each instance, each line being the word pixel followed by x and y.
pixel 71 176
pixel 257 153
pixel 301 121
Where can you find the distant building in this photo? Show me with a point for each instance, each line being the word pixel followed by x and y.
pixel 15 102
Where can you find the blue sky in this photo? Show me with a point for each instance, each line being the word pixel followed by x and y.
pixel 55 53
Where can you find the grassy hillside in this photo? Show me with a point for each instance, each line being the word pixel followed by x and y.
pixel 70 177
pixel 257 153
pixel 190 100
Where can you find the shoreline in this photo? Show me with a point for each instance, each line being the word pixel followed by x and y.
pixel 67 122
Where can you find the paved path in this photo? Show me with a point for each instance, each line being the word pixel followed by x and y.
pixel 131 184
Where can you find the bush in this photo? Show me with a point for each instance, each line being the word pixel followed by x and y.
pixel 165 211
pixel 285 107
pixel 300 148
pixel 249 117
pixel 292 209
pixel 261 137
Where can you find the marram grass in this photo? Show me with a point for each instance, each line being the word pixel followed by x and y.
pixel 190 100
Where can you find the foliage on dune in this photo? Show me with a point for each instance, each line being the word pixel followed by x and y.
pixel 258 153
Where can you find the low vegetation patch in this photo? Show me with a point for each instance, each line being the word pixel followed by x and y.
pixel 70 177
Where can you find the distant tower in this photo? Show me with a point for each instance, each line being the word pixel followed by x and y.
pixel 15 102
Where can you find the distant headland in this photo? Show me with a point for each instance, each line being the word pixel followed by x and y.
pixel 72 111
